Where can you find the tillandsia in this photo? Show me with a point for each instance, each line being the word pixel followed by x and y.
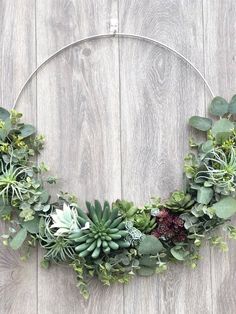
pixel 114 242
pixel 11 181
pixel 220 170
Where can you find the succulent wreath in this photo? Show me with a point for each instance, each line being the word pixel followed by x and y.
pixel 114 242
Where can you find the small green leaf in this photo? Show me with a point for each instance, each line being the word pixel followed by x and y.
pixel 199 123
pixel 225 208
pixel 44 197
pixel 32 226
pixel 232 105
pixel 204 195
pixel 189 220
pixel 145 271
pixel 150 245
pixel 5 210
pixel 18 239
pixel 27 130
pixel 222 137
pixel 6 129
pixel 207 146
pixel 219 106
pixel 147 261
pixel 45 264
pixel 4 114
pixel 222 126
pixel 179 253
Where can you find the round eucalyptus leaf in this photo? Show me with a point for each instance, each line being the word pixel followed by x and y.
pixel 232 105
pixel 204 195
pixel 32 226
pixel 179 254
pixel 222 137
pixel 222 126
pixel 18 239
pixel 219 106
pixel 27 130
pixel 148 261
pixel 150 245
pixel 225 208
pixel 4 114
pixel 199 123
pixel 146 271
pixel 207 146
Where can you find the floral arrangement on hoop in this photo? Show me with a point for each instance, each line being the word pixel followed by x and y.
pixel 113 242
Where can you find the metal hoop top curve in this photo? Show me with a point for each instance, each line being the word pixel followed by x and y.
pixel 122 35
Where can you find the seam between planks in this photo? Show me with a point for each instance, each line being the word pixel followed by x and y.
pixel 205 112
pixel 36 109
pixel 120 114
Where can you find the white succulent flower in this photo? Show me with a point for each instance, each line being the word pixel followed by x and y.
pixel 65 220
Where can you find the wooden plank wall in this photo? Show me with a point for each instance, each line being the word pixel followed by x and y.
pixel 114 113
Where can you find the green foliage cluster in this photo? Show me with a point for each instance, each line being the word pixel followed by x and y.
pixel 22 193
pixel 114 242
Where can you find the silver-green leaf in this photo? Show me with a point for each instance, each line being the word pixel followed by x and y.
pixel 204 195
pixel 222 126
pixel 225 208
pixel 150 245
pixel 232 105
pixel 199 123
pixel 27 130
pixel 4 114
pixel 219 106
pixel 18 239
pixel 146 271
pixel 179 253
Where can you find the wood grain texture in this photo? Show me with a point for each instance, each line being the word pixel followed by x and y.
pixel 220 52
pixel 78 111
pixel 18 280
pixel 115 114
pixel 155 106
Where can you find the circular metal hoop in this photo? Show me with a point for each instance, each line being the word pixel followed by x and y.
pixel 114 35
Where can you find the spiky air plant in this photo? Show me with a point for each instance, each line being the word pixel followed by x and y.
pixel 58 248
pixel 106 233
pixel 220 169
pixel 10 181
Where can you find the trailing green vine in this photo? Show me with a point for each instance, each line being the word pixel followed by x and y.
pixel 114 242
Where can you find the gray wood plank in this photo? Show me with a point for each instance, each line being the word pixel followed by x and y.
pixel 158 95
pixel 78 111
pixel 220 48
pixel 18 280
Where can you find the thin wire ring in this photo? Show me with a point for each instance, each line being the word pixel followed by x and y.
pixel 121 35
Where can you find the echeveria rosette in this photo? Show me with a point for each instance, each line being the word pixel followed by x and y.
pixel 179 202
pixel 106 233
pixel 141 217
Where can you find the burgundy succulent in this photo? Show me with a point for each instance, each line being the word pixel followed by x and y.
pixel 169 227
